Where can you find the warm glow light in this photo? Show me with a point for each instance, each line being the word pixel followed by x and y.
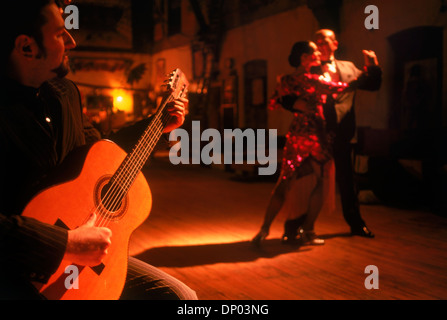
pixel 122 101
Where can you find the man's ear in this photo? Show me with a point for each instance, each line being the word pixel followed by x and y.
pixel 336 44
pixel 26 46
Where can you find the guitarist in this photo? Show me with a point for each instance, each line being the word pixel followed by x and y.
pixel 41 121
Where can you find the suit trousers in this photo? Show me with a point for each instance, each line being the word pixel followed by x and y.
pixel 145 282
pixel 344 173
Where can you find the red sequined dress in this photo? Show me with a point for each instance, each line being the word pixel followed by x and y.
pixel 307 136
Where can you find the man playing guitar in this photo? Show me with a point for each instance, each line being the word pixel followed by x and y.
pixel 41 122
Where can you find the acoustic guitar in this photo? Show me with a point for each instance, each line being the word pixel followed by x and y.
pixel 110 184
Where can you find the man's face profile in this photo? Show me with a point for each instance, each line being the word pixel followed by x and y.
pixel 56 42
pixel 327 44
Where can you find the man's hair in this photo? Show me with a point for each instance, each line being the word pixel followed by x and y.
pixel 323 32
pixel 298 49
pixel 21 17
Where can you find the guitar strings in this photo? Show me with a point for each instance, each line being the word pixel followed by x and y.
pixel 131 166
pixel 136 157
pixel 143 156
pixel 115 192
pixel 128 171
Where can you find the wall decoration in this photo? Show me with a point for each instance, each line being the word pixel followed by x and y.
pixel 160 71
pixel 136 73
pixel 255 82
pixel 99 64
pixel 104 25
pixel 419 94
pixel 417 102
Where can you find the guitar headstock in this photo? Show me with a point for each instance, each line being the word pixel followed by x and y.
pixel 177 84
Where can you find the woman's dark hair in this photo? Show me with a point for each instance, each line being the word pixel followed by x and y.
pixel 298 50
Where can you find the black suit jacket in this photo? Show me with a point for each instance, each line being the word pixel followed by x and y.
pixel 340 113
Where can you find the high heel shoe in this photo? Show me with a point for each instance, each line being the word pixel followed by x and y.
pixel 291 227
pixel 310 238
pixel 290 239
pixel 256 241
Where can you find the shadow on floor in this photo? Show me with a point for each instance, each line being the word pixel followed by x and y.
pixel 206 254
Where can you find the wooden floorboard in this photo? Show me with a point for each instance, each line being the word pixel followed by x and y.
pixel 202 221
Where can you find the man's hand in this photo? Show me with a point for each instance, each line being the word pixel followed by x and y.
pixel 87 245
pixel 370 58
pixel 178 110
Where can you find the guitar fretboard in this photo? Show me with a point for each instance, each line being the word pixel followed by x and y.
pixel 131 166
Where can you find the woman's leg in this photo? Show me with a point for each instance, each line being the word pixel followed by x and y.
pixel 275 204
pixel 315 205
pixel 304 185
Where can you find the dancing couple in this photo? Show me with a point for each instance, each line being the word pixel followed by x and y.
pixel 320 94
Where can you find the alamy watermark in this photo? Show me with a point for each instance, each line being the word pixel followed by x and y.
pixel 72 18
pixel 247 146
pixel 372 20
pixel 72 280
pixel 372 281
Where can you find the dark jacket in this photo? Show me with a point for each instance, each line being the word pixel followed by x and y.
pixel 38 129
pixel 340 113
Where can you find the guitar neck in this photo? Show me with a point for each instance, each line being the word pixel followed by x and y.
pixel 135 160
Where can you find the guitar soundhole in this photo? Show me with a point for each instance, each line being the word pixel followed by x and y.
pixel 110 198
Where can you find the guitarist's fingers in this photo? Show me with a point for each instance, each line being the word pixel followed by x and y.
pixel 185 102
pixel 179 105
pixel 100 249
pixel 177 111
pixel 178 114
pixel 107 235
pixel 177 119
pixel 91 220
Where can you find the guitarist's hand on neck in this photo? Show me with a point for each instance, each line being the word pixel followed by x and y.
pixel 178 110
pixel 87 245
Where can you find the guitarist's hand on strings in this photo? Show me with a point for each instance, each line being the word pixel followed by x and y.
pixel 87 245
pixel 177 109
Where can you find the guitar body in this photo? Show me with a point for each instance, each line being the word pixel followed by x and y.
pixel 72 202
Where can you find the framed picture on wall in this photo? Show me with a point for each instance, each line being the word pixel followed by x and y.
pixel 419 94
pixel 160 69
pixel 417 62
pixel 104 25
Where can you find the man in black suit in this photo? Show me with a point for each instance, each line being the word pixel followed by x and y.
pixel 340 118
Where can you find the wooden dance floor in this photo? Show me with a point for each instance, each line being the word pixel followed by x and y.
pixel 202 222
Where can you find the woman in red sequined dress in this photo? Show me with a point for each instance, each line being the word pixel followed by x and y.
pixel 307 150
